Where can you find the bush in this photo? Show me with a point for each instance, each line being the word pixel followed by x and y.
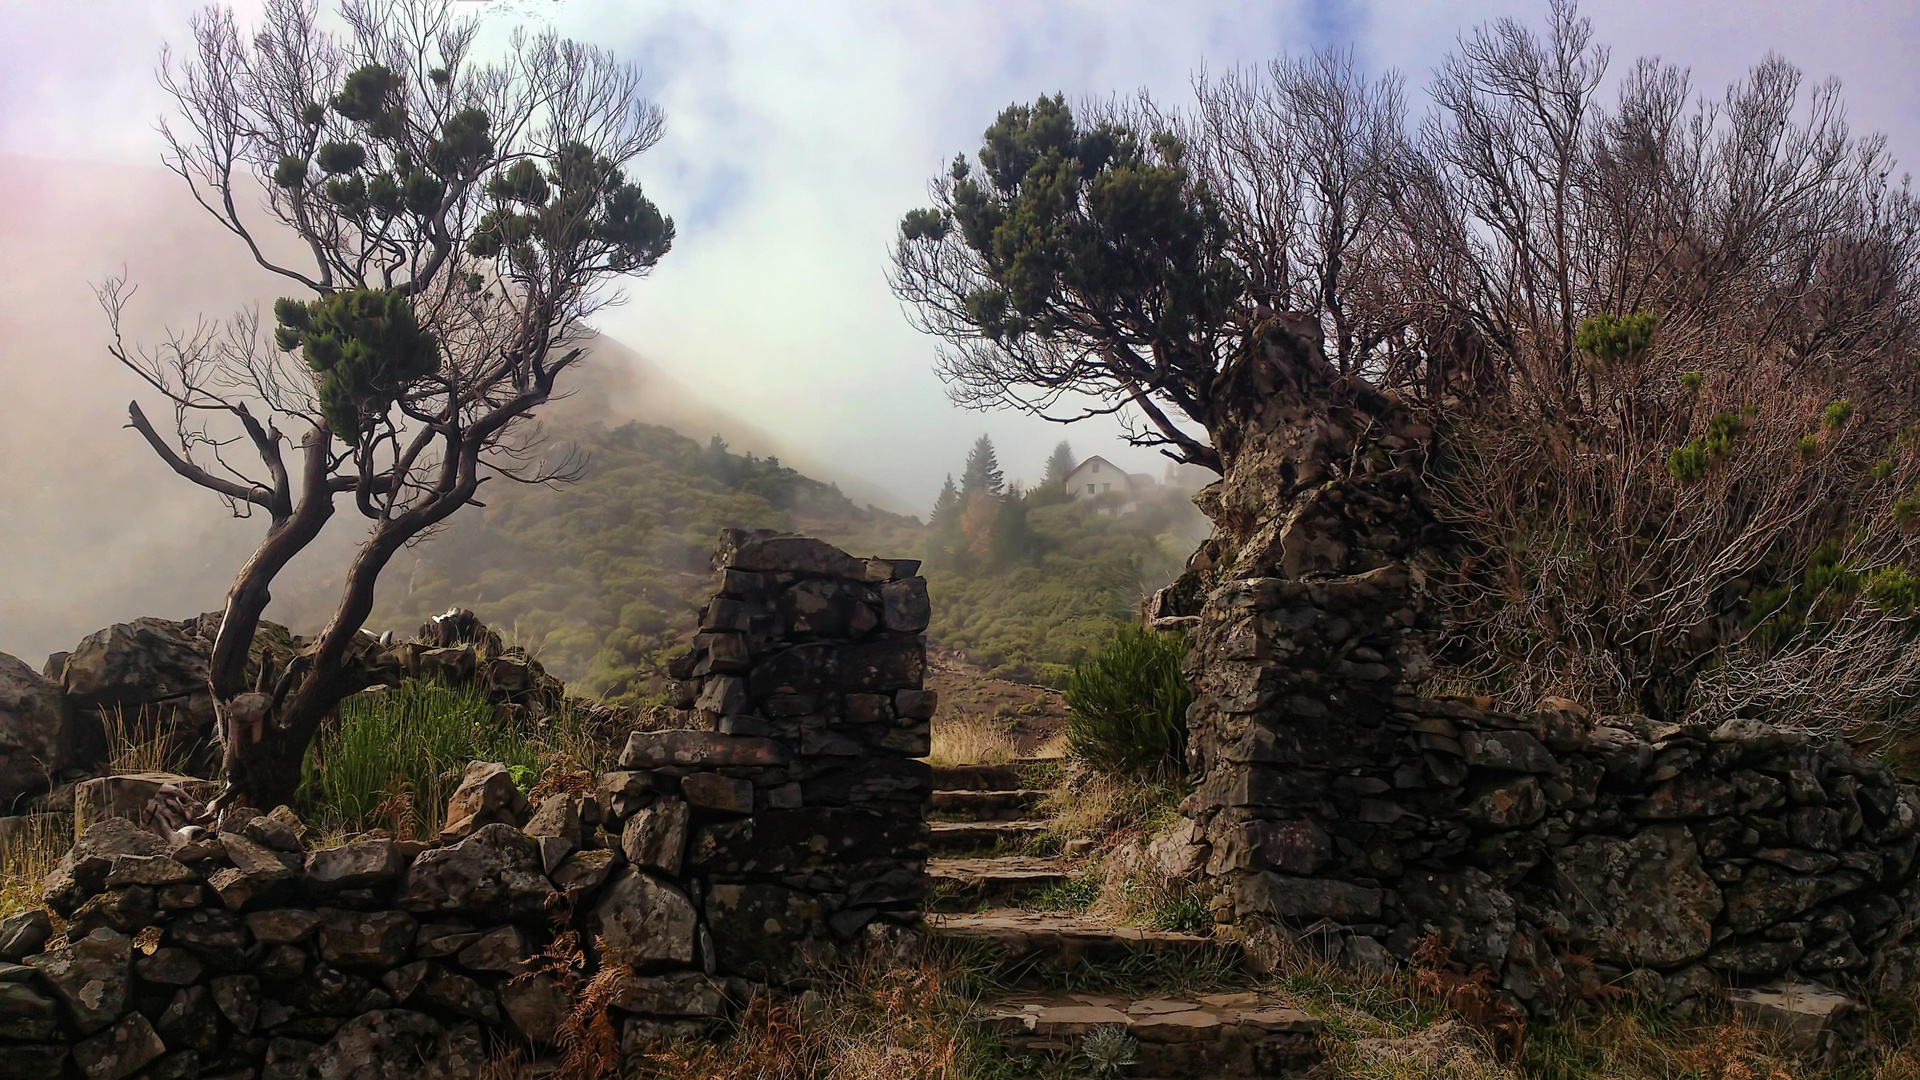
pixel 394 758
pixel 1127 705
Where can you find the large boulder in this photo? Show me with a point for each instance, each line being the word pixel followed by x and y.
pixel 32 718
pixel 143 662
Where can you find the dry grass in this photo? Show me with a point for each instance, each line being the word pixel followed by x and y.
pixel 138 746
pixel 26 861
pixel 970 741
pixel 872 1024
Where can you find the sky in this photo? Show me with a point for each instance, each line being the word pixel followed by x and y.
pixel 797 135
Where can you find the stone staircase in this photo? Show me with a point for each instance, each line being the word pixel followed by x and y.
pixel 1077 982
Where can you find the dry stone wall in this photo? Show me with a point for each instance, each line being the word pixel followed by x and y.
pixel 1557 850
pixel 781 829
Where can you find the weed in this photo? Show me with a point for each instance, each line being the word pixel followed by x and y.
pixel 1109 1049
pixel 1073 894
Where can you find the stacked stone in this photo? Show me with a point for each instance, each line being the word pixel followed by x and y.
pixel 239 952
pixel 1556 850
pixel 788 815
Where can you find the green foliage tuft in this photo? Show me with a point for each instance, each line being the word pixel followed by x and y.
pixel 1087 216
pixel 1905 509
pixel 582 200
pixel 405 746
pixel 1613 338
pixel 1893 589
pixel 1882 470
pixel 924 225
pixel 1691 381
pixel 1809 447
pixel 1690 461
pixel 366 347
pixel 367 92
pixel 1127 705
pixel 1837 414
pixel 336 158
pixel 290 173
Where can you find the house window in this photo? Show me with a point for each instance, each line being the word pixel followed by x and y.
pixel 1089 489
pixel 1106 487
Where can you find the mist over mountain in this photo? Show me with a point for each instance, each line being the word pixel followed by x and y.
pixel 96 528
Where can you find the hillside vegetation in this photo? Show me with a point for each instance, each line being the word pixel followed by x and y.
pixel 602 577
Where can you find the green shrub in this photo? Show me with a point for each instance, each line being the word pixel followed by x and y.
pixel 394 758
pixel 1613 338
pixel 1837 414
pixel 1127 705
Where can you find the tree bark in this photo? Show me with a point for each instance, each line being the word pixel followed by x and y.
pixel 243 717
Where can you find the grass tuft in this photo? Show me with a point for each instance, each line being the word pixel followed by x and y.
pixel 970 741
pixel 394 758
pixel 26 860
pixel 1127 705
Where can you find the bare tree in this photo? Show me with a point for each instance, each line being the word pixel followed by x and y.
pixel 453 220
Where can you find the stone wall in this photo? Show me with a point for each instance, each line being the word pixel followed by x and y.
pixel 1556 850
pixel 783 828
pixel 149 678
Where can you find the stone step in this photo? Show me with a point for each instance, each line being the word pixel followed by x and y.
pixel 955 837
pixel 987 805
pixel 1209 1035
pixel 1022 939
pixel 968 882
pixel 1000 777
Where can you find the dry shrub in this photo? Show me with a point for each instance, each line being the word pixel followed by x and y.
pixel 969 741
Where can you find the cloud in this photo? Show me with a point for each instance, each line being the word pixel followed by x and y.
pixel 797 135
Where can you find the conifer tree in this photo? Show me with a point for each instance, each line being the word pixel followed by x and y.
pixel 982 474
pixel 1059 464
pixel 946 508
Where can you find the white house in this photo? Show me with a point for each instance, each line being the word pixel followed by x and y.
pixel 1098 476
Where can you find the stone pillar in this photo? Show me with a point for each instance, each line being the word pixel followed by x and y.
pixel 795 774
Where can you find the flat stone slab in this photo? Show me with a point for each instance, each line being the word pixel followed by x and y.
pixel 953 836
pixel 982 805
pixel 1218 1035
pixel 1803 1014
pixel 1066 937
pixel 995 878
pixel 999 777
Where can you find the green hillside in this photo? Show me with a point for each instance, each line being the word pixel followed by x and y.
pixel 602 577
pixel 599 578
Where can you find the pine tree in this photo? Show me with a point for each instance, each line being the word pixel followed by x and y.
pixel 1059 464
pixel 946 508
pixel 982 474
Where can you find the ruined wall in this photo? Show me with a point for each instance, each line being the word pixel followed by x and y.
pixel 783 828
pixel 1555 849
